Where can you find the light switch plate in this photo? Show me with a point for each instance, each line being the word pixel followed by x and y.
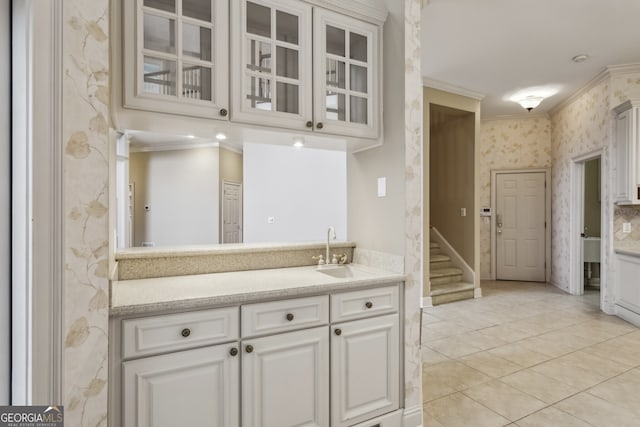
pixel 271 220
pixel 626 227
pixel 463 211
pixel 382 186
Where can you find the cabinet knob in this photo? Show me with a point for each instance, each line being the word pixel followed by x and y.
pixel 249 348
pixel 319 125
pixel 368 304
pixel 289 317
pixel 233 351
pixel 185 332
pixel 224 112
pixel 338 331
pixel 309 124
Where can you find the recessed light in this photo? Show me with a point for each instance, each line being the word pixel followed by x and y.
pixel 580 58
pixel 221 136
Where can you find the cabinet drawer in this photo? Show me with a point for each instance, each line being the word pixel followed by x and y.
pixel 287 315
pixel 171 332
pixel 393 419
pixel 366 303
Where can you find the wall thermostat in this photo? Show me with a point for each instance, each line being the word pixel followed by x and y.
pixel 485 211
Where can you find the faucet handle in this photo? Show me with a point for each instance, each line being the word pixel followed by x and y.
pixel 320 259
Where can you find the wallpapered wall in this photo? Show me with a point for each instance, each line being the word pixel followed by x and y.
pixel 508 144
pixel 85 103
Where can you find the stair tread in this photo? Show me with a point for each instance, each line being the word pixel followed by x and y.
pixel 433 245
pixel 450 288
pixel 439 258
pixel 444 272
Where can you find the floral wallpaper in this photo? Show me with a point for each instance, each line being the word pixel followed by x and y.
pixel 508 144
pixel 85 128
pixel 413 196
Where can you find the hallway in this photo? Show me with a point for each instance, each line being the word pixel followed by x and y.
pixel 527 354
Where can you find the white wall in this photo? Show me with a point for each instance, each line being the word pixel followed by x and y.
pixel 181 188
pixel 304 190
pixel 5 201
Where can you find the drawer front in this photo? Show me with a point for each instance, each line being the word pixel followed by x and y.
pixel 287 315
pixel 365 303
pixel 171 332
pixel 393 419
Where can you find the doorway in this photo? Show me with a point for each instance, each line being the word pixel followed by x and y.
pixel 5 202
pixel 520 238
pixel 231 212
pixel 591 208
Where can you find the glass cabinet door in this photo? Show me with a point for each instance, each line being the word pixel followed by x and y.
pixel 274 76
pixel 346 86
pixel 180 55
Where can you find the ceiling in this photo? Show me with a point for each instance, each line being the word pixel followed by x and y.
pixel 494 48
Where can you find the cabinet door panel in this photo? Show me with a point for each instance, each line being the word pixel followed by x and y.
pixel 271 60
pixel 285 380
pixel 347 75
pixel 195 387
pixel 365 361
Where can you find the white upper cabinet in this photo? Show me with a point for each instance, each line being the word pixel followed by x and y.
pixel 292 71
pixel 176 56
pixel 271 59
pixel 627 138
pixel 347 72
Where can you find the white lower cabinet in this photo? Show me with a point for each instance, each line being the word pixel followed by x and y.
pixel 188 388
pixel 628 289
pixel 365 368
pixel 285 380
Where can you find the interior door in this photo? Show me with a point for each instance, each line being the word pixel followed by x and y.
pixel 520 226
pixel 232 213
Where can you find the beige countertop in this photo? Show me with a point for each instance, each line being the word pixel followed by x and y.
pixel 143 296
pixel 632 251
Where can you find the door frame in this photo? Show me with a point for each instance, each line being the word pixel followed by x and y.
pixel 224 182
pixel 547 215
pixel 576 224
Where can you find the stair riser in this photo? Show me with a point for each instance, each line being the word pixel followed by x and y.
pixel 440 264
pixel 456 296
pixel 433 245
pixel 435 251
pixel 446 279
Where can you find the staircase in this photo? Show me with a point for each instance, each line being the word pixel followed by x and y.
pixel 446 280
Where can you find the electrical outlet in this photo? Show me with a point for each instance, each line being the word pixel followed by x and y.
pixel 626 227
pixel 271 220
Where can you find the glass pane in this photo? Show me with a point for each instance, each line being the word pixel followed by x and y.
pixel 287 97
pixel 166 5
pixel 259 93
pixel 335 73
pixel 286 27
pixel 159 33
pixel 286 62
pixel 336 106
pixel 358 47
pixel 196 82
pixel 199 9
pixel 335 41
pixel 258 19
pixel 196 41
pixel 159 76
pixel 358 110
pixel 358 78
pixel 259 56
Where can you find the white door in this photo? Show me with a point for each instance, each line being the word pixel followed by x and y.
pixel 231 212
pixel 187 388
pixel 5 202
pixel 365 369
pixel 285 380
pixel 520 226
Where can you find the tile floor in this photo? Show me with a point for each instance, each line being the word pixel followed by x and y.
pixel 527 354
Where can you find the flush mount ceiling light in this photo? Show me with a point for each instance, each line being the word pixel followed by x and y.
pixel 532 97
pixel 530 102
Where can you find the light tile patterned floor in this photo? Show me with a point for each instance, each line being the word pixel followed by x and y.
pixel 527 354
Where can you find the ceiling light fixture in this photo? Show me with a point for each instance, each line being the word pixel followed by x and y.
pixel 530 102
pixel 531 97
pixel 221 136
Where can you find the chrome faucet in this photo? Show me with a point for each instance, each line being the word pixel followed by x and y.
pixel 330 232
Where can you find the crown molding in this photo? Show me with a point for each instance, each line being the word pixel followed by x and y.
pixel 599 78
pixel 624 69
pixel 457 90
pixel 516 117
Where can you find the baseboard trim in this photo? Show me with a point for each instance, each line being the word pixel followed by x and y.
pixel 427 302
pixel 560 287
pixel 628 315
pixel 477 293
pixel 412 417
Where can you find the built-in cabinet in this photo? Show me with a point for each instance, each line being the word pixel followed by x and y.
pixel 628 288
pixel 291 64
pixel 627 138
pixel 324 360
